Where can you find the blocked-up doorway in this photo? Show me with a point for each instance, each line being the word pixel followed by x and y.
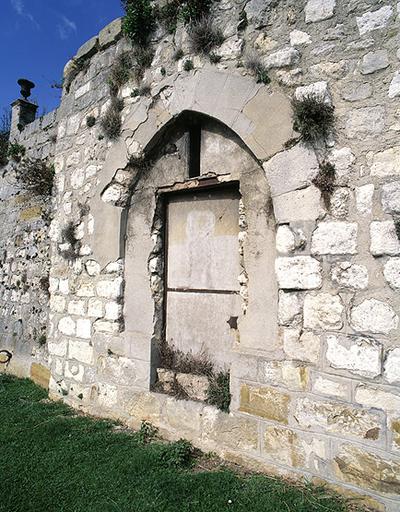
pixel 202 269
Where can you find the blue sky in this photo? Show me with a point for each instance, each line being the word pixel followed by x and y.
pixel 38 37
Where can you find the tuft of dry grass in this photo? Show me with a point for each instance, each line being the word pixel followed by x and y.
pixel 313 118
pixel 204 36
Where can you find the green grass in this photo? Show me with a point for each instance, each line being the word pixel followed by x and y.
pixel 53 460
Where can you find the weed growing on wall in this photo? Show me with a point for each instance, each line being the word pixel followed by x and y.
pixel 120 72
pixel 396 221
pixel 70 245
pixel 204 36
pixel 90 121
pixel 35 176
pixel 178 54
pixel 313 118
pixel 111 123
pixel 194 10
pixel 325 181
pixel 254 63
pixel 188 65
pixel 139 20
pixel 168 15
pixel 218 393
pixel 16 151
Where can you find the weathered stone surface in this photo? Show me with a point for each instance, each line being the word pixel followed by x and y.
pixel 394 87
pixel 67 326
pixel 195 386
pixel 374 61
pixel 356 91
pixel 362 356
pixel 301 347
pixel 83 328
pixel 338 418
pixel 283 445
pixel 87 49
pixel 299 38
pixel 374 316
pixel 317 90
pixel 266 402
pixel 40 375
pixel 318 10
pixel 285 239
pixel 110 33
pixel 348 275
pixel 323 311
pixel 365 122
pixel 377 398
pixel 392 366
pixel 391 272
pixel 299 272
pixel 110 289
pixel 291 170
pixel 385 163
pixel 81 350
pixel 229 430
pixel 339 206
pixel 290 307
pixel 342 159
pixel 391 197
pixel 368 470
pixel 288 374
pixel 282 58
pixel 326 385
pixel 374 20
pixel 335 238
pixel 257 12
pixel 298 205
pixel 364 196
pixel 384 238
pixel 165 380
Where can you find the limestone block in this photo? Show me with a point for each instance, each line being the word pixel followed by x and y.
pixel 40 375
pixel 282 58
pixel 85 289
pixel 377 398
pixel 368 470
pixel 335 238
pixel 326 385
pixel 74 371
pixel 318 10
pixel 81 351
pixel 285 239
pixel 82 90
pixel 385 163
pixel 392 366
pixel 365 122
pixel 304 347
pixel 337 417
pixel 364 196
pixel 57 304
pixel 195 386
pixel 374 61
pixel 110 33
pixel 92 268
pixel 67 326
pixel 165 380
pixel 298 205
pixel 288 374
pixel 342 159
pixel 374 20
pixel 264 44
pixel 391 197
pixel 183 416
pixel 113 311
pixel 299 272
pixel 291 170
pixel 394 87
pixel 95 308
pixel 110 289
pixel 362 356
pixel 114 193
pixel 232 48
pixel 57 348
pixel 107 327
pixel 283 445
pixel 266 402
pixel 76 307
pixel 384 239
pixel 227 430
pixel 83 328
pixel 107 395
pixel 87 49
pixel 257 12
pixel 299 38
pixel 374 316
pixel 339 206
pixel 323 311
pixel 348 275
pixel 290 307
pixel 355 91
pixel 391 272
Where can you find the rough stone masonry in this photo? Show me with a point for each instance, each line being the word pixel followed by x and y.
pixel 314 352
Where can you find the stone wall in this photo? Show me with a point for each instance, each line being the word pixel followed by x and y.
pixel 315 369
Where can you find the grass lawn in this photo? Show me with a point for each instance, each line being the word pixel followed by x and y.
pixel 52 460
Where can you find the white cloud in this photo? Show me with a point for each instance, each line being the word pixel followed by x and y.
pixel 19 8
pixel 66 27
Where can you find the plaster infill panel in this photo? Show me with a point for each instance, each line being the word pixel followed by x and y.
pixel 198 322
pixel 203 251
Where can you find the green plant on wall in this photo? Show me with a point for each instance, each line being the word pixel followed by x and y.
pixel 35 176
pixel 194 10
pixel 313 118
pixel 16 151
pixel 139 20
